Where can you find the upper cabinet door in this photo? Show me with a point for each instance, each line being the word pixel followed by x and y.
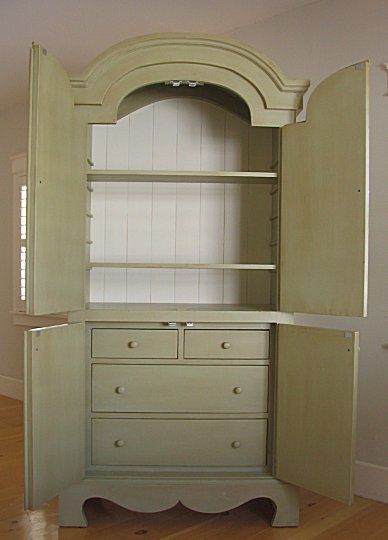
pixel 316 388
pixel 324 200
pixel 54 411
pixel 55 193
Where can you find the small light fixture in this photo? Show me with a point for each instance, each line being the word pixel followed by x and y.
pixel 176 83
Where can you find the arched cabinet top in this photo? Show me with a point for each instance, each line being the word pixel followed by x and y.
pixel 271 98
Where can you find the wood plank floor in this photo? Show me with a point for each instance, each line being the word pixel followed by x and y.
pixel 321 518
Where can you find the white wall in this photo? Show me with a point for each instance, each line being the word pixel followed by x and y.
pixel 312 42
pixel 13 140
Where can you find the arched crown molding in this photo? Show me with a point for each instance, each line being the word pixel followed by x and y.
pixel 271 98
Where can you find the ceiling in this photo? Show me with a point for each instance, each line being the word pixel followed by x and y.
pixel 78 30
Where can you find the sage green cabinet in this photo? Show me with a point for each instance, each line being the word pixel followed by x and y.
pixel 208 404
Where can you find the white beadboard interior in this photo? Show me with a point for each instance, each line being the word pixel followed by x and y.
pixel 172 222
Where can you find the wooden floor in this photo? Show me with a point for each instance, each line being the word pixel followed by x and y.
pixel 321 518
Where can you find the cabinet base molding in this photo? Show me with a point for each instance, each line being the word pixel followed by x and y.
pixel 207 495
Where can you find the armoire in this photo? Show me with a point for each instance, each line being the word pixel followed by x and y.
pixel 179 216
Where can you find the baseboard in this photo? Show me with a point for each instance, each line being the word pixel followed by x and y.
pixel 11 387
pixel 371 481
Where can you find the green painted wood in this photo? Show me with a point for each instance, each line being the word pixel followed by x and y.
pixel 54 411
pixel 226 344
pixel 316 409
pixel 134 343
pixel 272 99
pixel 202 389
pixel 182 176
pixel 201 313
pixel 324 200
pixel 159 92
pixel 179 443
pixel 183 266
pixel 56 191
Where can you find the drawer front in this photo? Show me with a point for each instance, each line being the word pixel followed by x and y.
pixel 202 389
pixel 179 443
pixel 133 343
pixel 245 344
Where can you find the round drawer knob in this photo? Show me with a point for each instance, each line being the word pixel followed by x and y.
pixel 120 389
pixel 237 390
pixel 236 444
pixel 226 345
pixel 119 443
pixel 133 344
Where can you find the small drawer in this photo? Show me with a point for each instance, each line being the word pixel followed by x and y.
pixel 244 344
pixel 133 343
pixel 194 389
pixel 179 443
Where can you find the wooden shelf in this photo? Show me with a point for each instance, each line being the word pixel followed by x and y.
pixel 184 266
pixel 116 175
pixel 164 313
pixel 178 307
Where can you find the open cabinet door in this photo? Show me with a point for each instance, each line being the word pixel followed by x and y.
pixel 55 192
pixel 324 200
pixel 315 409
pixel 54 411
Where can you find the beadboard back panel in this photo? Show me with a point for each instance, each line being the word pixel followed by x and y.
pixel 173 222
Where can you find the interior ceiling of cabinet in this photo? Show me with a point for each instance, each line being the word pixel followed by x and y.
pixel 76 31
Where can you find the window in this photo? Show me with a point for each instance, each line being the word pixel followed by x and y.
pixel 23 239
pixel 20 231
pixel 19 172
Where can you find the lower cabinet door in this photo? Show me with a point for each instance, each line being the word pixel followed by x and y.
pixel 179 443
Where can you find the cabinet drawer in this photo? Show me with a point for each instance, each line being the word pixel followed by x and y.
pixel 133 343
pixel 179 443
pixel 213 389
pixel 246 344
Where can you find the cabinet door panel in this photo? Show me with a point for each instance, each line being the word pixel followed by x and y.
pixel 316 407
pixel 56 191
pixel 54 411
pixel 324 200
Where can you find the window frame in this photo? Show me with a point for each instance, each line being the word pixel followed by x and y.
pixel 19 173
pixel 19 176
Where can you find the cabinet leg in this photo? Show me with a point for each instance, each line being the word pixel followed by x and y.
pixel 209 497
pixel 71 510
pixel 286 508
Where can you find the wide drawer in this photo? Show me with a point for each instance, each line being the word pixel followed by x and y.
pixel 245 344
pixel 133 343
pixel 161 388
pixel 179 443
